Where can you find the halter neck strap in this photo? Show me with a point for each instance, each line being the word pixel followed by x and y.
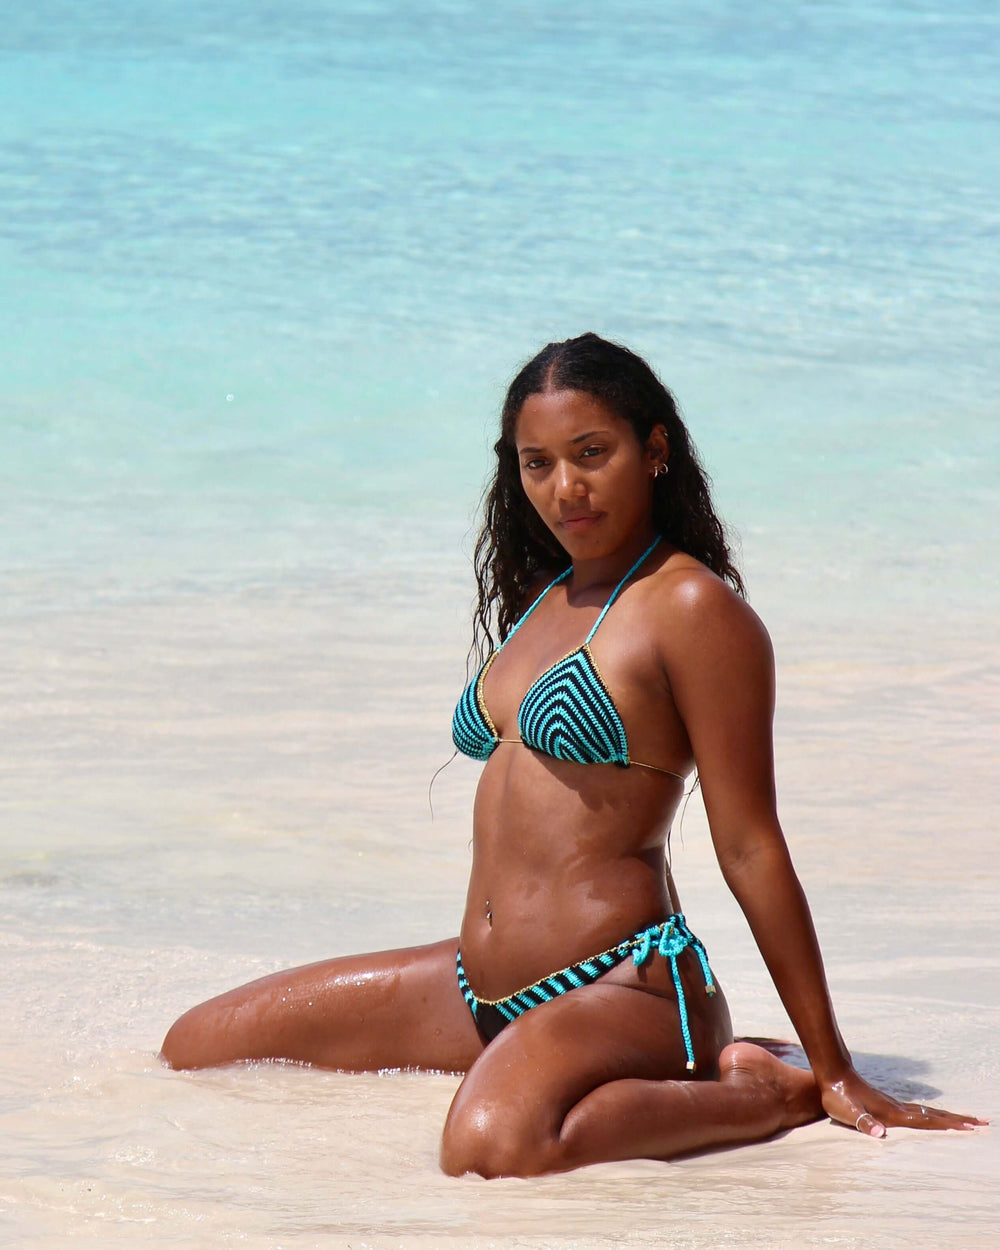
pixel 555 582
pixel 617 590
pixel 604 611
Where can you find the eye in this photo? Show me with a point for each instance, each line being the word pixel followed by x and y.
pixel 536 462
pixel 588 453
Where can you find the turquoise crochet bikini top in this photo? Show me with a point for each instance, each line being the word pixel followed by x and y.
pixel 567 713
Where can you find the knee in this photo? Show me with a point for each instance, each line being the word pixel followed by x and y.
pixel 188 1043
pixel 491 1140
pixel 177 1051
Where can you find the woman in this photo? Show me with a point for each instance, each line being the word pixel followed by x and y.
pixel 577 1001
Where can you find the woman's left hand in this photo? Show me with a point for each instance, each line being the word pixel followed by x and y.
pixel 851 1100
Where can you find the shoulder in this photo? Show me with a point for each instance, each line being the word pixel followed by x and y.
pixel 697 612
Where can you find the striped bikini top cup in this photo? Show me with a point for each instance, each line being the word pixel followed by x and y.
pixel 568 713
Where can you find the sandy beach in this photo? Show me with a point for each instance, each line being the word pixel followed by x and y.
pixel 195 793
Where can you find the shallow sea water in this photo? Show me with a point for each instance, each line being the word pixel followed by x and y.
pixel 265 275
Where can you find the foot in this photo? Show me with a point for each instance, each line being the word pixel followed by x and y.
pixel 789 1093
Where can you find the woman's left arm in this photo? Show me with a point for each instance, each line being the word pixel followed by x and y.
pixel 721 671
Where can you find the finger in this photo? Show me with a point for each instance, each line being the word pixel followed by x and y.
pixel 920 1117
pixel 868 1125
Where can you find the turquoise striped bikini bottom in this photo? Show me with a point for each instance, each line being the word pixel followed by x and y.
pixel 668 939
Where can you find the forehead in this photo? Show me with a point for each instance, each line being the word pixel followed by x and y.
pixel 560 416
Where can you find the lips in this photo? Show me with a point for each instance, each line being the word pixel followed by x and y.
pixel 580 520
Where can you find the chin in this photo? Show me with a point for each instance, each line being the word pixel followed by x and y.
pixel 593 542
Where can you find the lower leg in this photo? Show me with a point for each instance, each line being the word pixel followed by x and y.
pixel 629 1118
pixel 394 1009
pixel 756 1095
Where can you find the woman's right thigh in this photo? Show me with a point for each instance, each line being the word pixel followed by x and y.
pixel 359 1013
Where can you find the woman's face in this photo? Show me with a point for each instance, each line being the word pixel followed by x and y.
pixel 585 472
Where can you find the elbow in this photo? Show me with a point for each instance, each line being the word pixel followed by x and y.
pixel 737 866
pixel 750 858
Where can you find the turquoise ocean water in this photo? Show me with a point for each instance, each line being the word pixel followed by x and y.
pixel 266 271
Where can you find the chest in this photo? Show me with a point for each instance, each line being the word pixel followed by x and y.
pixel 552 672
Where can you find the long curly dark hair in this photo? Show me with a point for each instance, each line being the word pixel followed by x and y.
pixel 514 546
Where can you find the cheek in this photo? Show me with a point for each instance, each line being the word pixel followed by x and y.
pixel 633 490
pixel 533 493
pixel 631 474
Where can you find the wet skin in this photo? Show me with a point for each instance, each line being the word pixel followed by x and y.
pixel 569 859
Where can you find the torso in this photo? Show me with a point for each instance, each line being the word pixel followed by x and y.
pixel 568 857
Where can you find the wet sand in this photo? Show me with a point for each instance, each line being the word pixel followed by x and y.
pixel 207 784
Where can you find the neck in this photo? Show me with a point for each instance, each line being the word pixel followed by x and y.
pixel 612 567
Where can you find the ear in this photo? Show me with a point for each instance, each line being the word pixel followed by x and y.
pixel 658 445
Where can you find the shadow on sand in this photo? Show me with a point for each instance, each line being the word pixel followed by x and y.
pixel 897 1075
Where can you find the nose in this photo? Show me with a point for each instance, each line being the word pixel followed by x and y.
pixel 568 481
